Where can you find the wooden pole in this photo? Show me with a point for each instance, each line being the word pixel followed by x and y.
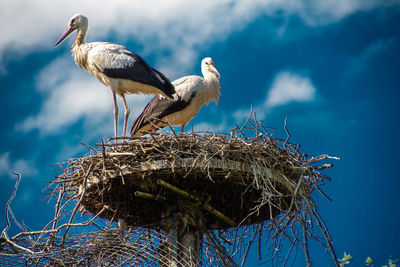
pixel 188 239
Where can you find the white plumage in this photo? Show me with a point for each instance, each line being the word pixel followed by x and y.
pixel 115 66
pixel 192 92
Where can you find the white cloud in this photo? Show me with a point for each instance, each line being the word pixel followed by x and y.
pixel 178 26
pixel 289 87
pixel 69 95
pixel 20 166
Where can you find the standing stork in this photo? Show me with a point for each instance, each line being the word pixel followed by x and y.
pixel 116 67
pixel 192 92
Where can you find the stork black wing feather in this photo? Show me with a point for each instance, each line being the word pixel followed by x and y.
pixel 124 64
pixel 157 109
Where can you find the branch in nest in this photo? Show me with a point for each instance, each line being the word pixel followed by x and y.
pixel 206 206
pixel 150 196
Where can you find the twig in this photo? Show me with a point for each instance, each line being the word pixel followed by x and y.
pixel 326 165
pixel 248 248
pixel 7 209
pixel 305 244
pixel 90 147
pixel 248 118
pixel 287 132
pixel 322 226
pixel 221 251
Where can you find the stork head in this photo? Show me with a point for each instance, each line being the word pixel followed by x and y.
pixel 77 22
pixel 207 66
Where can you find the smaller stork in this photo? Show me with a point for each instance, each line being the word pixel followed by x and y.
pixel 192 92
pixel 116 67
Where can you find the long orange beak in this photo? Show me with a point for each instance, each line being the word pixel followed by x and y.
pixel 213 69
pixel 64 35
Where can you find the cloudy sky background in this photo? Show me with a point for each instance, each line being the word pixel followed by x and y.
pixel 331 66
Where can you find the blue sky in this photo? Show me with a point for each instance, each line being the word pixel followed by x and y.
pixel 331 66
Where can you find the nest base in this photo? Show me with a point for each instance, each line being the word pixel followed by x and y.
pixel 219 196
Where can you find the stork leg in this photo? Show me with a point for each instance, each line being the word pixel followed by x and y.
pixel 115 116
pixel 127 112
pixel 183 128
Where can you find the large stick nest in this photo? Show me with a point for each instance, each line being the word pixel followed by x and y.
pixel 235 189
pixel 225 179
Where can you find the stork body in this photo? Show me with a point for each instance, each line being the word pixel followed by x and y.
pixel 192 92
pixel 116 67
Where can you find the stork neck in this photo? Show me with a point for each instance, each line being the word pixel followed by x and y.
pixel 80 49
pixel 210 76
pixel 80 38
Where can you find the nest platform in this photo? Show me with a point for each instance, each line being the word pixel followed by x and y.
pixel 221 180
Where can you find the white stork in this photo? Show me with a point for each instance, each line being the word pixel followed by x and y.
pixel 192 92
pixel 116 67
